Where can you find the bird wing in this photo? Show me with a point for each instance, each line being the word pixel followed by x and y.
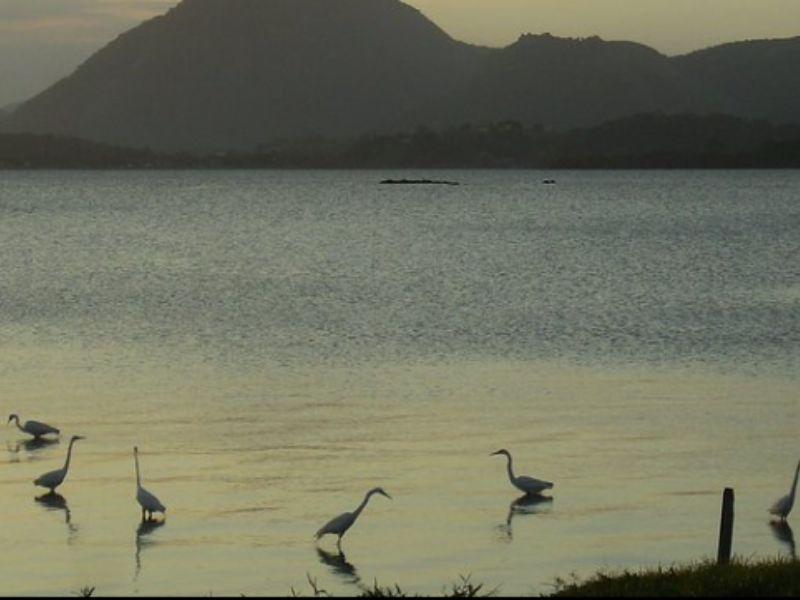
pixel 149 501
pixel 337 525
pixel 779 508
pixel 50 479
pixel 532 484
pixel 37 428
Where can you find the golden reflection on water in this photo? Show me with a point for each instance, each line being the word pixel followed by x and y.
pixel 250 464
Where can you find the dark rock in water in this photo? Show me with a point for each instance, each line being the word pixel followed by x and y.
pixel 416 181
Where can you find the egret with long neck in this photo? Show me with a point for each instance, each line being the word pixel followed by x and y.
pixel 339 525
pixel 146 500
pixel 783 507
pixel 53 479
pixel 529 485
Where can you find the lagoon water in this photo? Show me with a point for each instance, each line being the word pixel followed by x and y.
pixel 277 343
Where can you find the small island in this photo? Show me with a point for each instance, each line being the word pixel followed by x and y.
pixel 420 181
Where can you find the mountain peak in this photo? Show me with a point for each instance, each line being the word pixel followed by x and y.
pixel 226 74
pixel 235 74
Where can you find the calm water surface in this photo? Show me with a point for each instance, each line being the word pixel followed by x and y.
pixel 277 343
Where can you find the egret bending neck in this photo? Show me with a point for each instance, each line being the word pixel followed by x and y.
pixel 361 506
pixel 15 418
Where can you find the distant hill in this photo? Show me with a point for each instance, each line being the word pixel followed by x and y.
pixel 26 150
pixel 5 111
pixel 640 141
pixel 218 75
pixel 567 83
pixel 757 79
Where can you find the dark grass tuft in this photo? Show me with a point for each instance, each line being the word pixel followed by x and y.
pixel 741 578
pixel 463 589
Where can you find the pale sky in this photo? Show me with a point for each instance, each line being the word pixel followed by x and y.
pixel 44 40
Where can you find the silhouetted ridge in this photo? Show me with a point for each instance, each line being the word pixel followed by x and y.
pixel 571 82
pixel 214 75
pixel 236 73
pixel 757 78
pixel 640 141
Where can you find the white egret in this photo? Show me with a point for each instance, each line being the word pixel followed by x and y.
pixel 783 507
pixel 147 501
pixel 35 428
pixel 339 525
pixel 53 479
pixel 529 485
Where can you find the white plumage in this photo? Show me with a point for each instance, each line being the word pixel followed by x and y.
pixel 339 525
pixel 35 428
pixel 529 485
pixel 146 500
pixel 783 506
pixel 53 479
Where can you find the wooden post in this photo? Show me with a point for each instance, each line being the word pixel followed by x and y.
pixel 726 528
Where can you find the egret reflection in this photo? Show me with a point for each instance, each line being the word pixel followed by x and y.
pixel 530 503
pixel 145 528
pixel 13 450
pixel 31 446
pixel 527 504
pixel 339 565
pixel 53 501
pixel 783 533
pixel 34 444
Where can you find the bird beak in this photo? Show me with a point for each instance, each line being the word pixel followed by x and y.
pixel 387 495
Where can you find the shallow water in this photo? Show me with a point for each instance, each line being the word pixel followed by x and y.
pixel 277 343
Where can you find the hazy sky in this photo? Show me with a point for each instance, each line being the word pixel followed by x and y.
pixel 44 40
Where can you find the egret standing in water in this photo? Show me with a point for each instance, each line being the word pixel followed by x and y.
pixel 529 485
pixel 146 500
pixel 35 428
pixel 783 507
pixel 53 479
pixel 339 525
